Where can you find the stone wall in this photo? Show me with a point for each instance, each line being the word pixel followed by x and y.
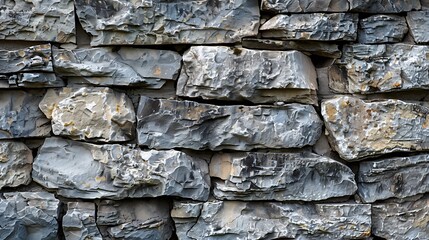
pixel 235 119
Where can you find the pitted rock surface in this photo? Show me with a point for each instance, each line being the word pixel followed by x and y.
pixel 80 222
pixel 15 164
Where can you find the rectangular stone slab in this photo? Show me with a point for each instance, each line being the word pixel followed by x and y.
pixel 239 74
pixel 82 170
pixel 15 164
pixel 31 80
pixel 79 222
pixel 168 22
pixel 301 6
pixel 382 29
pixel 41 20
pixel 419 22
pixel 271 220
pixel 34 58
pixel 384 6
pixel 359 129
pixel 166 124
pixel 300 176
pixel 397 177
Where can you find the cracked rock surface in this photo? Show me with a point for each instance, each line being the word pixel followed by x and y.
pixel 300 176
pixel 15 164
pixel 301 6
pixel 164 124
pixel 82 170
pixel 384 6
pixel 80 222
pixel 382 29
pixel 254 75
pixel 418 22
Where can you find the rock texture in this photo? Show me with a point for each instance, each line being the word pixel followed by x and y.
pixel 15 164
pixel 31 80
pixel 28 215
pixel 397 177
pixel 418 22
pixel 359 129
pixel 382 29
pixel 92 114
pixel 42 20
pixel 314 26
pixel 164 124
pixel 34 58
pixel 80 223
pixel 149 68
pixel 135 219
pixel 88 171
pixel 272 220
pixel 21 117
pixel 160 22
pixel 402 221
pixel 385 68
pixel 301 6
pixel 279 176
pixel 252 75
pixel 384 6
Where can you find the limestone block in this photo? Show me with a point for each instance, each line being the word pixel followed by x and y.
pixel 79 222
pixel 15 164
pixel 301 6
pixel 382 29
pixel 419 22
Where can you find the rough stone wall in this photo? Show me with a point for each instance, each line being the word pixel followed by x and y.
pixel 235 119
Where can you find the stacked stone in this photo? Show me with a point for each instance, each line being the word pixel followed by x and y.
pixel 236 119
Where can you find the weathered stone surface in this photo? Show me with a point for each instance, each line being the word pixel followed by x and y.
pixel 42 20
pixel 300 6
pixel 425 4
pixel 30 80
pixel 148 68
pixel 147 219
pixel 279 176
pixel 359 129
pixel 166 124
pixel 382 29
pixel 397 177
pixel 254 75
pixel 161 22
pixel 419 22
pixel 91 114
pixel 384 6
pixel 79 222
pixel 402 221
pixel 88 171
pixel 28 215
pixel 15 164
pixel 34 58
pixel 21 116
pixel 313 26
pixel 271 220
pixel 384 68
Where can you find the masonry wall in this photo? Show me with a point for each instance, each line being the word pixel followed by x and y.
pixel 235 119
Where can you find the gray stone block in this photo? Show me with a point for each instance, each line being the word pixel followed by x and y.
pixel 34 58
pixel 384 6
pixel 382 29
pixel 301 6
pixel 15 164
pixel 419 22
pixel 79 223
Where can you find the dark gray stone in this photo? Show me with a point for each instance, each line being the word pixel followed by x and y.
pixel 166 124
pixel 165 22
pixel 419 22
pixel 34 58
pixel 300 6
pixel 88 171
pixel 79 222
pixel 31 80
pixel 384 6
pixel 258 76
pixel 382 29
pixel 15 164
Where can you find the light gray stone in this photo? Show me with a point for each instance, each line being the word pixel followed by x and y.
pixel 419 22
pixel 237 74
pixel 149 68
pixel 15 164
pixel 28 215
pixel 312 26
pixel 359 129
pixel 397 177
pixel 91 114
pixel 300 6
pixel 41 20
pixel 300 176
pixel 135 219
pixel 401 221
pixel 31 80
pixel 271 220
pixel 166 124
pixel 382 29
pixel 165 22
pixel 79 223
pixel 21 117
pixel 34 58
pixel 384 6
pixel 88 171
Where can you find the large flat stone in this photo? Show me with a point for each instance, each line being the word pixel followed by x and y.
pixel 401 221
pixel 301 6
pixel 15 164
pixel 396 177
pixel 359 129
pixel 147 219
pixel 21 117
pixel 88 171
pixel 299 176
pixel 165 22
pixel 312 26
pixel 418 22
pixel 382 29
pixel 237 74
pixel 166 124
pixel 80 222
pixel 28 215
pixel 91 114
pixel 42 20
pixel 271 220
pixel 384 6
pixel 149 68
